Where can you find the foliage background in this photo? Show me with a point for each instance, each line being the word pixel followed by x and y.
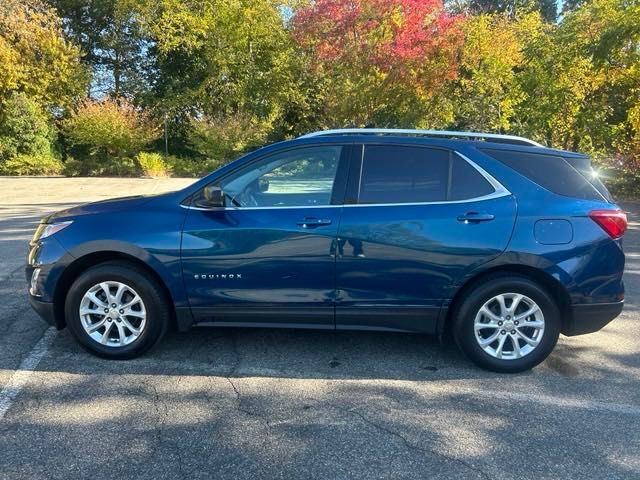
pixel 160 87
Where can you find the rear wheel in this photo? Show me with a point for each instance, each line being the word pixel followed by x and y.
pixel 507 324
pixel 115 310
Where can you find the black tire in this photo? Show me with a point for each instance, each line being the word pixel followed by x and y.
pixel 465 311
pixel 155 303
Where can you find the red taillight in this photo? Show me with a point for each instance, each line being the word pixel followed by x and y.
pixel 614 222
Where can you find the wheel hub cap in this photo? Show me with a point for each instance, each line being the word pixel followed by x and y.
pixel 509 326
pixel 112 314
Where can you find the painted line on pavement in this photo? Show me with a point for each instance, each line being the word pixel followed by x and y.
pixel 20 377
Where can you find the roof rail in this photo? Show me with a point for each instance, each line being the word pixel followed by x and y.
pixel 430 133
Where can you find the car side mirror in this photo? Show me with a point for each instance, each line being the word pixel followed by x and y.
pixel 213 196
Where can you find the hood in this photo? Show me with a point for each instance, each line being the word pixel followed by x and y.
pixel 102 206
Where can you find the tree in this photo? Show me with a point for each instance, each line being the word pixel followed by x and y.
pixel 548 9
pixel 216 59
pixel 487 92
pixel 35 59
pixel 379 61
pixel 25 129
pixel 112 44
pixel 581 77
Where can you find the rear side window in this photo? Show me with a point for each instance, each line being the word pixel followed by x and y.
pixel 406 174
pixel 466 181
pixel 583 165
pixel 548 171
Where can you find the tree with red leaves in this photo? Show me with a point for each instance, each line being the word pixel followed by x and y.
pixel 380 62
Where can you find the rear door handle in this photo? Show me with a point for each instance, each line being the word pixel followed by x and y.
pixel 475 217
pixel 313 222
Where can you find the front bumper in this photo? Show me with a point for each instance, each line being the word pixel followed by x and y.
pixel 46 311
pixel 589 318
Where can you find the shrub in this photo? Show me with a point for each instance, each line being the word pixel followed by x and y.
pixel 108 129
pixel 24 128
pixel 153 164
pixel 224 138
pixel 118 167
pixel 186 167
pixel 37 164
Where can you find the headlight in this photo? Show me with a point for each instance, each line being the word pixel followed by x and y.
pixel 33 290
pixel 45 230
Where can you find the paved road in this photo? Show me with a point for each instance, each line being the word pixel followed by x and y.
pixel 275 404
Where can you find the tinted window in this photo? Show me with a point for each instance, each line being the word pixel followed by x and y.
pixel 583 165
pixel 297 177
pixel 548 171
pixel 404 174
pixel 466 181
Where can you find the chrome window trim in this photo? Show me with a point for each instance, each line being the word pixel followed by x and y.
pixel 499 191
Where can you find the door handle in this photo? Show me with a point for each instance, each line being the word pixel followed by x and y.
pixel 475 217
pixel 313 222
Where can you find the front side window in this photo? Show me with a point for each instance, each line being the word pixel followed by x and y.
pixel 407 174
pixel 299 177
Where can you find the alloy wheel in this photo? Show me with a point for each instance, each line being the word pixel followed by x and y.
pixel 112 314
pixel 509 326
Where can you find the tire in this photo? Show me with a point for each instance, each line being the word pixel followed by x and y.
pixel 481 306
pixel 149 316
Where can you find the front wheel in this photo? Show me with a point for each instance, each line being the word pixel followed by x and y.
pixel 507 324
pixel 115 310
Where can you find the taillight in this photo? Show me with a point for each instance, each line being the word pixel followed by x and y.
pixel 614 222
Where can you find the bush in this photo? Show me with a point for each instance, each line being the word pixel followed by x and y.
pixel 24 129
pixel 224 138
pixel 108 129
pixel 185 167
pixel 38 164
pixel 153 164
pixel 92 167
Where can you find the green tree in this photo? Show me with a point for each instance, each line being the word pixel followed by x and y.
pixel 218 59
pixel 35 58
pixel 548 9
pixel 112 44
pixel 486 92
pixel 25 129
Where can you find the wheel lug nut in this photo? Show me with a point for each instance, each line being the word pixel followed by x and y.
pixel 513 332
pixel 122 311
pixel 503 332
pixel 113 305
pixel 508 317
pixel 108 319
pixel 106 310
pixel 499 324
pixel 516 322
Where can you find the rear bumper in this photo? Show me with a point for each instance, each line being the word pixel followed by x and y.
pixel 589 318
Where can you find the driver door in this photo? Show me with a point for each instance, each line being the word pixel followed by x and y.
pixel 266 257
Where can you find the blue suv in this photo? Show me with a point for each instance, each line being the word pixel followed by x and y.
pixel 496 239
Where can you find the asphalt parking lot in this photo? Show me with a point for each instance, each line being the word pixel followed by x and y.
pixel 254 404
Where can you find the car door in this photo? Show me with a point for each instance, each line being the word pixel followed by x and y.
pixel 266 256
pixel 419 219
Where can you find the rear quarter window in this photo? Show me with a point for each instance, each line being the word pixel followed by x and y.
pixel 548 171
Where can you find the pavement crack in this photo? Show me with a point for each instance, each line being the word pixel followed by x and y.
pixel 160 430
pixel 408 444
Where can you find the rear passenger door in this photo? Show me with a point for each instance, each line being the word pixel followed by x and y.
pixel 416 219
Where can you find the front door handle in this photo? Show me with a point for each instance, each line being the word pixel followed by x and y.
pixel 313 222
pixel 475 217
